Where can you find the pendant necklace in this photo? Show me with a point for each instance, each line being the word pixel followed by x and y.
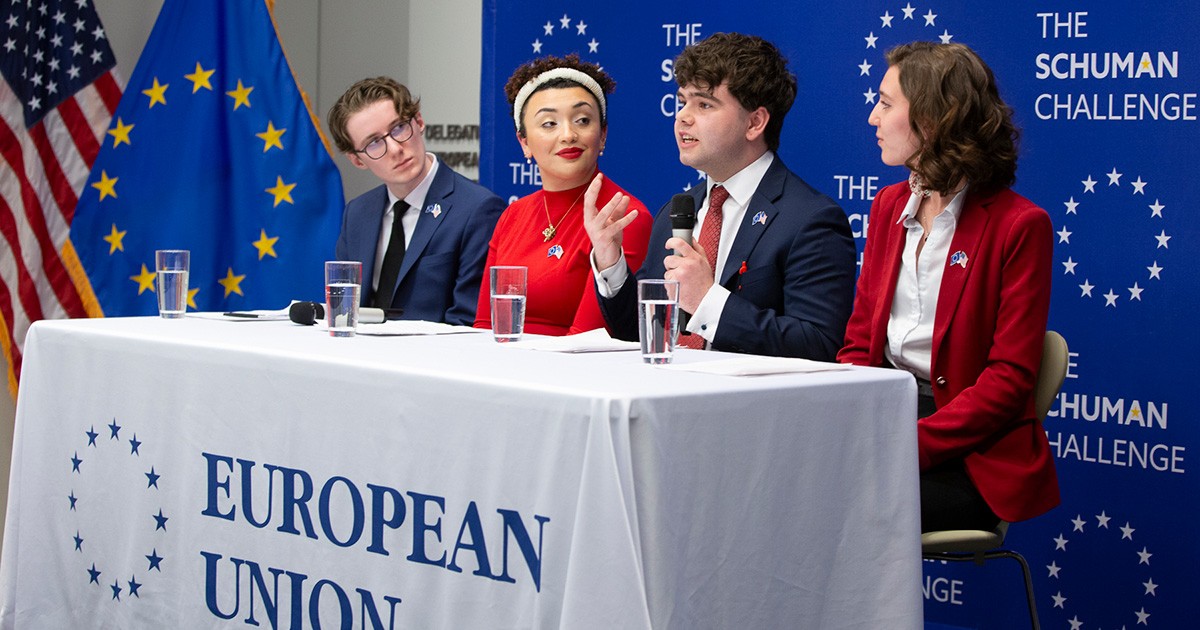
pixel 552 228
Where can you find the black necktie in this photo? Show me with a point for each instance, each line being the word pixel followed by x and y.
pixel 392 259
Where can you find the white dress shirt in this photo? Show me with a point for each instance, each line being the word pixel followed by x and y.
pixel 910 326
pixel 415 200
pixel 741 187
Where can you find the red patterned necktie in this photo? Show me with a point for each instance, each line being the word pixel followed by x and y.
pixel 710 240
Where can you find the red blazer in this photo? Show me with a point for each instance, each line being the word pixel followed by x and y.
pixel 987 343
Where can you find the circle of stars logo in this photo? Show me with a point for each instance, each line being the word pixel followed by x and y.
pixel 906 25
pixel 108 463
pixel 1130 201
pixel 561 36
pixel 1100 538
pixel 123 134
pixel 565 35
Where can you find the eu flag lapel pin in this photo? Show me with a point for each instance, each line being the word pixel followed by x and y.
pixel 434 209
pixel 761 217
pixel 555 251
pixel 959 258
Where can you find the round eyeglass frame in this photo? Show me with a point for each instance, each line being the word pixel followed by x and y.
pixel 394 133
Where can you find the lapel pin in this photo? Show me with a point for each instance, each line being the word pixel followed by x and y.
pixel 434 209
pixel 761 217
pixel 555 251
pixel 959 258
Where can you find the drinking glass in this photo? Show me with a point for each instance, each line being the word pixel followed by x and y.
pixel 172 267
pixel 508 302
pixel 343 285
pixel 658 319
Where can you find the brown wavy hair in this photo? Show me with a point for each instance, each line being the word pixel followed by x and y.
pixel 954 107
pixel 529 71
pixel 362 94
pixel 754 72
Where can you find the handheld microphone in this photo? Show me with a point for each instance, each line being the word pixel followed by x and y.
pixel 683 222
pixel 683 218
pixel 307 313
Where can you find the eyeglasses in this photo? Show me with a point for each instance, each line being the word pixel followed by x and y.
pixel 378 147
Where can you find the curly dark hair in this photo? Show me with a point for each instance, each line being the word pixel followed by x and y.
pixel 754 72
pixel 362 94
pixel 954 107
pixel 529 71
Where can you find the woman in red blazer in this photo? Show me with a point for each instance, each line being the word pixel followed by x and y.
pixel 955 288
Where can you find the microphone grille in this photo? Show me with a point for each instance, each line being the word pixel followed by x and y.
pixel 683 212
pixel 306 313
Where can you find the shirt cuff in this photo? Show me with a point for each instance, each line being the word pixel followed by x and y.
pixel 704 321
pixel 609 281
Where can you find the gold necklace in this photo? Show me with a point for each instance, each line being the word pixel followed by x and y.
pixel 552 228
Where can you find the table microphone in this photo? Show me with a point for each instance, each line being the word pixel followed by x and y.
pixel 307 313
pixel 683 218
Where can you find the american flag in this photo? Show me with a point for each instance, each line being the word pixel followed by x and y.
pixel 57 97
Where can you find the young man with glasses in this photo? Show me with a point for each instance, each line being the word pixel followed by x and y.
pixel 423 234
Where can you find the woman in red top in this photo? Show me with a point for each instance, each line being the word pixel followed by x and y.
pixel 560 112
pixel 955 288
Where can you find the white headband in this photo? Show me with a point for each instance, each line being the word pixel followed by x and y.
pixel 557 73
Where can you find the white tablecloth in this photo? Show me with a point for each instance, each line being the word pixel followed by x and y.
pixel 203 474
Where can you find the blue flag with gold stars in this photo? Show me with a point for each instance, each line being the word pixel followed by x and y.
pixel 213 150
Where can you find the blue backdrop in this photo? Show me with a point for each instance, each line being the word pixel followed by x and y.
pixel 1106 95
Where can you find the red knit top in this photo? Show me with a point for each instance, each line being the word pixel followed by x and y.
pixel 561 293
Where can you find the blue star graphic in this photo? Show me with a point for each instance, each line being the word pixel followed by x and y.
pixel 114 428
pixel 75 462
pixel 134 586
pixel 73 499
pixel 116 587
pixel 134 444
pixel 153 478
pixel 93 574
pixel 91 433
pixel 79 543
pixel 160 521
pixel 155 560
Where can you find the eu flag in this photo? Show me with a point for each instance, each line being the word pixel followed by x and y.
pixel 212 149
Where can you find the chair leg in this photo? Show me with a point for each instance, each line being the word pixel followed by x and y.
pixel 1033 616
pixel 949 556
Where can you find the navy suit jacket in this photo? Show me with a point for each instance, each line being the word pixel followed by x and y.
pixel 796 292
pixel 443 263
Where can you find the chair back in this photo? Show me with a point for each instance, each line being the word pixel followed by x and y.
pixel 1051 373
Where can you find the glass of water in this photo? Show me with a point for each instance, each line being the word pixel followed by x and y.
pixel 343 284
pixel 658 319
pixel 172 269
pixel 508 302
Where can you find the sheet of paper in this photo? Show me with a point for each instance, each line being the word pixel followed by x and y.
pixel 243 316
pixel 409 327
pixel 591 341
pixel 755 366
